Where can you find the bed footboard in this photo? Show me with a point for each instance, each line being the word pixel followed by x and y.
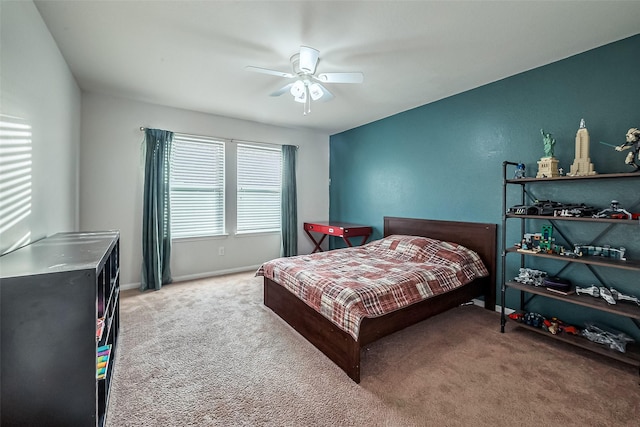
pixel 336 344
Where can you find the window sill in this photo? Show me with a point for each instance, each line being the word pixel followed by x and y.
pixel 255 233
pixel 195 238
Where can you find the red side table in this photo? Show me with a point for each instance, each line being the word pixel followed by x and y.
pixel 338 229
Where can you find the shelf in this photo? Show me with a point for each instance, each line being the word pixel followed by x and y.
pixel 623 308
pixel 79 297
pixel 582 219
pixel 629 264
pixel 631 357
pixel 574 178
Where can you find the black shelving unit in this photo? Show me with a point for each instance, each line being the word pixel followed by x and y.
pixel 52 293
pixel 629 310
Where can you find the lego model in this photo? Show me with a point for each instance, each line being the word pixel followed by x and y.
pixel 632 142
pixel 609 295
pixel 613 211
pixel 542 242
pixel 551 208
pixel 582 165
pixel 533 319
pixel 529 276
pixel 547 165
pixel 530 243
pixel 540 207
pixel 520 171
pixel 602 251
pixel 578 211
pixel 553 325
pixel 615 340
pixel 546 239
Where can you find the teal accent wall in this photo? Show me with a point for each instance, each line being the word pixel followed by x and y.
pixel 444 160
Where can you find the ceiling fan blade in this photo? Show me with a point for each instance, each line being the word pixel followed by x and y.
pixel 282 90
pixel 308 59
pixel 341 77
pixel 270 72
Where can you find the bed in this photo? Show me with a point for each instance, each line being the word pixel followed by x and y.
pixel 341 346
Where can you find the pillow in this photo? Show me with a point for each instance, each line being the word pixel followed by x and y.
pixel 427 250
pixel 403 246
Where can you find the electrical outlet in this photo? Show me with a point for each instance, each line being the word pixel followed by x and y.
pixel 221 250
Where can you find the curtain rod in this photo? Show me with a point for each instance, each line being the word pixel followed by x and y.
pixel 142 129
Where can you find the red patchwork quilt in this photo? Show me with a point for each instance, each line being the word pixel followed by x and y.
pixel 382 276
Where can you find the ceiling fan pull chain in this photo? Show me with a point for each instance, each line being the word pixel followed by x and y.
pixel 307 103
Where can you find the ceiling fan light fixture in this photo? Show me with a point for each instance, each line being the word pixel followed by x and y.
pixel 316 92
pixel 299 92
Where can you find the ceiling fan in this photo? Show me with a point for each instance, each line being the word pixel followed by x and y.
pixel 308 85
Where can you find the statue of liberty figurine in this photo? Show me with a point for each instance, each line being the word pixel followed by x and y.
pixel 548 165
pixel 549 142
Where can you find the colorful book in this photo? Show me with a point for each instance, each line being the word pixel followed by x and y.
pixel 102 361
pixel 99 328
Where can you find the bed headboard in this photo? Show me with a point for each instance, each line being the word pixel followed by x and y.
pixel 479 237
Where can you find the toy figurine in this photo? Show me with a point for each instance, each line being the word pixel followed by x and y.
pixel 547 165
pixel 549 142
pixel 519 171
pixel 633 143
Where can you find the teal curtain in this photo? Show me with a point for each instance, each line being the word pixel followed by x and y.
pixel 156 231
pixel 289 213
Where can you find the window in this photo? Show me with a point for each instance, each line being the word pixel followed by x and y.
pixel 197 186
pixel 259 177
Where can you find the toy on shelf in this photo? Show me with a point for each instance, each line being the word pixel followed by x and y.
pixel 613 211
pixel 540 207
pixel 543 242
pixel 601 251
pixel 609 295
pixel 520 171
pixel 551 208
pixel 529 276
pixel 576 211
pixel 632 141
pixel 536 320
pixel 582 165
pixel 548 165
pixel 615 340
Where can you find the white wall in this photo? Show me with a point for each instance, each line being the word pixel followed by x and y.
pixel 39 94
pixel 112 175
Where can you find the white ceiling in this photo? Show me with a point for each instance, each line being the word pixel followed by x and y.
pixel 191 54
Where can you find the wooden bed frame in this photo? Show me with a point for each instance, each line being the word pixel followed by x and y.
pixel 339 346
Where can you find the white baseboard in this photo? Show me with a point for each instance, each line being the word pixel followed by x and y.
pixel 480 303
pixel 136 285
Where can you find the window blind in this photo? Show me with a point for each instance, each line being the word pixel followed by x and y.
pixel 197 186
pixel 259 175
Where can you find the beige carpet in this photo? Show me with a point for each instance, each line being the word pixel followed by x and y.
pixel 208 353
